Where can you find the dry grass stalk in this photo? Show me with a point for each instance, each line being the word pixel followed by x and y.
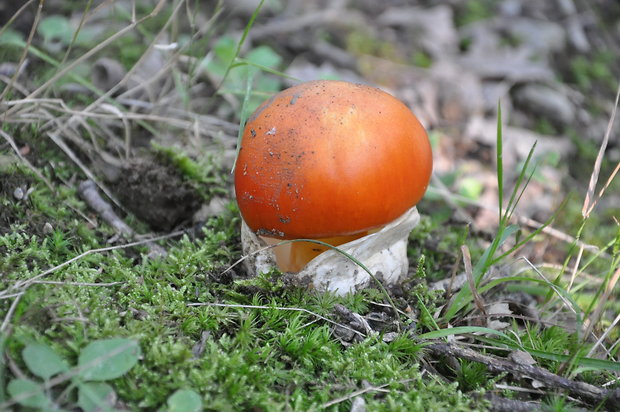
pixel 22 58
pixel 479 302
pixel 590 201
pixel 589 204
pixel 595 316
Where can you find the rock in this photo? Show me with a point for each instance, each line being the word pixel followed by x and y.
pixel 358 404
pixel 505 64
pixel 517 142
pixel 541 37
pixel 510 8
pixel 546 102
pixel 216 206
pixel 527 60
pixel 460 95
pixel 434 27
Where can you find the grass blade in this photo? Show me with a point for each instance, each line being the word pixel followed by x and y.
pixel 514 199
pixel 240 61
pixel 529 237
pixel 500 162
pixel 592 363
pixel 244 117
pixel 241 41
pixel 589 201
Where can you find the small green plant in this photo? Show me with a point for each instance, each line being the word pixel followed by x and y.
pixel 471 375
pixel 56 31
pixel 234 71
pixel 559 403
pixel 8 38
pixel 99 361
pixel 505 229
pixel 470 188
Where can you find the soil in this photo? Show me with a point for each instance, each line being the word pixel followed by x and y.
pixel 156 193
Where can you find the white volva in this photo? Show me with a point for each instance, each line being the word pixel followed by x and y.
pixel 384 253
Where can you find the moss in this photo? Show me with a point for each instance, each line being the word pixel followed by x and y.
pixel 248 358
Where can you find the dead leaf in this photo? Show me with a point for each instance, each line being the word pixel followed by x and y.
pixel 521 357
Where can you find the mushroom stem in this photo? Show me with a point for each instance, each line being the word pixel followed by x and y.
pixel 293 256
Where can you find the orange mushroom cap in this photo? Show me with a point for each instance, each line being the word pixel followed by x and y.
pixel 330 158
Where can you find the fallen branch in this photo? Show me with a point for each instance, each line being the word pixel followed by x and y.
pixel 611 398
pixel 500 404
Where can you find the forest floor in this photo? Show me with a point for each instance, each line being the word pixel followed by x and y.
pixel 120 281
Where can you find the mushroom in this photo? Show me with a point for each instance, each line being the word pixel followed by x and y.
pixel 328 160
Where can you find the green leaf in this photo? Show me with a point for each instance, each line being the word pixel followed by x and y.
pixel 55 28
pixel 3 339
pixel 500 162
pixel 28 393
pixel 12 38
pixel 43 361
pixel 225 50
pixel 471 188
pixel 516 195
pixel 264 56
pixel 95 396
pixel 240 61
pixel 248 26
pixel 185 400
pixel 108 358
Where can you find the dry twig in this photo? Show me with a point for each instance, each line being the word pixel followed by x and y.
pixel 369 388
pixel 22 58
pixel 596 314
pixel 500 404
pixel 88 192
pixel 590 201
pixel 470 279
